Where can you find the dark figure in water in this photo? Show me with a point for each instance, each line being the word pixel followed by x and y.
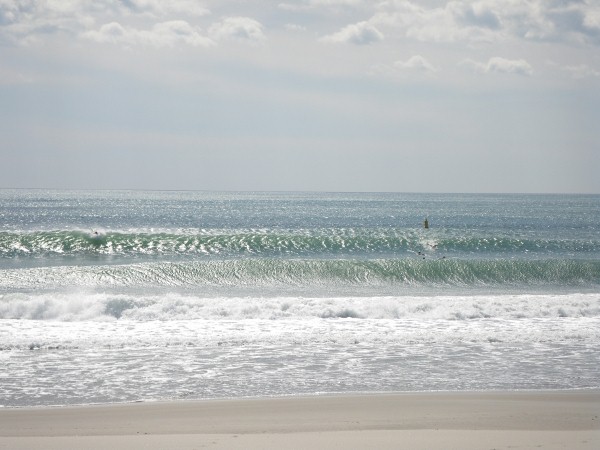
pixel 426 223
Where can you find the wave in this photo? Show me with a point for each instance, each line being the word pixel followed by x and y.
pixel 86 306
pixel 265 272
pixel 276 243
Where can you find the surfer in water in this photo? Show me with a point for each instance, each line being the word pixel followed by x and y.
pixel 426 223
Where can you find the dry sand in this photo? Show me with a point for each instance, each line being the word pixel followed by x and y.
pixel 496 420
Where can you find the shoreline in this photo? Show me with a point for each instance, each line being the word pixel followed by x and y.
pixel 304 395
pixel 429 420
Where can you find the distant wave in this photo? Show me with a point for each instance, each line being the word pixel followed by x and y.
pixel 276 243
pixel 263 272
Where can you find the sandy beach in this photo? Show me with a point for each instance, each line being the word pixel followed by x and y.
pixel 540 419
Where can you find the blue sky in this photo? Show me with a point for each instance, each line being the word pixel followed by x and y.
pixel 334 95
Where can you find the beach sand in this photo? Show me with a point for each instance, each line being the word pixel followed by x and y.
pixel 462 420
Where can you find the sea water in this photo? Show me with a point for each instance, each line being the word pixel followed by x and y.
pixel 118 296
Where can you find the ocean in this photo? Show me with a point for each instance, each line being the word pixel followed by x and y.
pixel 122 296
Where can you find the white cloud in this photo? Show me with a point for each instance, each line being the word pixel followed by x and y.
pixel 304 5
pixel 592 19
pixel 162 8
pixel 335 2
pixel 112 32
pixel 455 21
pixel 469 21
pixel 479 14
pixel 582 71
pixel 493 20
pixel 237 28
pixel 177 31
pixel 9 10
pixel 362 33
pixel 500 65
pixel 163 34
pixel 416 62
pixel 24 21
pixel 294 27
pixel 415 65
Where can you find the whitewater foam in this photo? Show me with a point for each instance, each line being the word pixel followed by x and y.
pixel 103 306
pixel 128 360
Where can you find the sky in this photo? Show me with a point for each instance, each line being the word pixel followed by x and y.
pixel 308 95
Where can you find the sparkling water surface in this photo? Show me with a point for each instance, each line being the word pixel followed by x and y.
pixel 111 296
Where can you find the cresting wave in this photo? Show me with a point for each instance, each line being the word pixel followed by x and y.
pixel 274 243
pixel 93 306
pixel 267 272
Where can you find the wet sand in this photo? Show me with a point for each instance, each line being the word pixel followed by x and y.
pixel 462 420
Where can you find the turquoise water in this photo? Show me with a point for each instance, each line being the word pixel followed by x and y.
pixel 131 295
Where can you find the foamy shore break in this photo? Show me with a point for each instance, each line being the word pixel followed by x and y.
pixel 457 420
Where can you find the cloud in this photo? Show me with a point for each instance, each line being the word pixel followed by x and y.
pixel 361 33
pixel 294 27
pixel 305 5
pixel 454 21
pixel 25 21
pixel 112 32
pixel 163 34
pixel 576 21
pixel 415 65
pixel 174 32
pixel 237 28
pixel 480 14
pixel 500 65
pixel 335 2
pixel 582 71
pixel 416 62
pixel 162 8
pixel 592 19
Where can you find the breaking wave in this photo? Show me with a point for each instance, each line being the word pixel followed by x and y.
pixel 102 306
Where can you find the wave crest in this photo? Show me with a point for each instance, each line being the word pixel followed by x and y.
pixel 264 272
pixel 276 243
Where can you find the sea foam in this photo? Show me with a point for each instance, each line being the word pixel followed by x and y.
pixel 102 306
